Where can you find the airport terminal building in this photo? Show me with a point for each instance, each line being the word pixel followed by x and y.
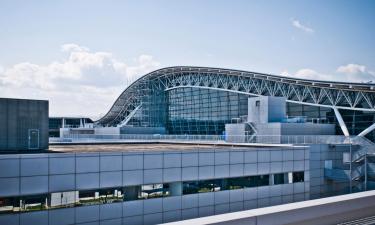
pixel 189 142
pixel 196 100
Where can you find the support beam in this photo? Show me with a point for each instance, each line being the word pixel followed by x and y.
pixel 127 119
pixel 341 122
pixel 367 130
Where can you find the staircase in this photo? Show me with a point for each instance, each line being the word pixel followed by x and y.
pixel 362 164
pixel 251 135
pixel 361 174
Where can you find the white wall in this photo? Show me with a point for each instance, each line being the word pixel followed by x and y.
pixel 270 109
pixel 107 130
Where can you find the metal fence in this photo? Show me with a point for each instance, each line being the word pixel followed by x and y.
pixel 261 139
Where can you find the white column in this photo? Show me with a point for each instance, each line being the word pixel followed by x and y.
pixel 367 130
pixel 341 122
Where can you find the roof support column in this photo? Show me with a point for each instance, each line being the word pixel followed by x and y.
pixel 367 130
pixel 341 122
pixel 127 119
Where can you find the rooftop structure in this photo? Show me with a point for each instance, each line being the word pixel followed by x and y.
pixel 23 125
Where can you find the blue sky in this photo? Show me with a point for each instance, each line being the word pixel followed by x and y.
pixel 73 51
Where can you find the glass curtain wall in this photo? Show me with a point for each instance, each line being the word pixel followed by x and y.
pixel 203 111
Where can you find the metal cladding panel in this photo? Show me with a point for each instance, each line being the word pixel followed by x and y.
pixel 17 117
pixel 87 214
pixel 40 218
pixel 61 216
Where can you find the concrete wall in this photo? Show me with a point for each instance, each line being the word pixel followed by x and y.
pixel 17 117
pixel 107 130
pixel 235 132
pixel 270 109
pixel 46 173
pixel 68 132
pixel 295 129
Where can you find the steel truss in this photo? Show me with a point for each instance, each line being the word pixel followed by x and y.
pixel 336 95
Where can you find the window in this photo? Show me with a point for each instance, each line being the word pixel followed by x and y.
pixel 34 203
pixel 298 177
pixel 263 180
pixel 63 199
pixel 251 181
pixel 190 187
pixel 110 195
pixel 132 193
pixel 280 178
pixel 236 183
pixel 153 191
pixel 88 198
pixel 209 186
pixel 257 103
pixel 8 205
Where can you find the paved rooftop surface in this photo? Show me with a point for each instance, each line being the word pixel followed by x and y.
pixel 157 146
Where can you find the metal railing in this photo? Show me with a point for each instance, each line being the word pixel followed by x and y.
pixel 257 139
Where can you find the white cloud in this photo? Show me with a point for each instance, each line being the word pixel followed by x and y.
pixel 346 73
pixel 302 27
pixel 312 75
pixel 356 71
pixel 73 47
pixel 285 73
pixel 84 83
pixel 352 69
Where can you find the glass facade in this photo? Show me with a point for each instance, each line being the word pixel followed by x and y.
pixel 153 112
pixel 200 111
pixel 197 111
pixel 203 111
pixel 356 121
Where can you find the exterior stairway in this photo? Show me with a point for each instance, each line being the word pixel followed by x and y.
pixel 361 173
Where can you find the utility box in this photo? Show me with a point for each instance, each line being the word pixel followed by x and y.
pixel 23 125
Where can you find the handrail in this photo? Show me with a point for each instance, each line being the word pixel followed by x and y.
pixel 260 139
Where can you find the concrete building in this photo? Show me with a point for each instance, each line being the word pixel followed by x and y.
pixel 148 183
pixel 23 125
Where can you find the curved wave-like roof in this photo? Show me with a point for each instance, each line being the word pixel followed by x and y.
pixel 342 95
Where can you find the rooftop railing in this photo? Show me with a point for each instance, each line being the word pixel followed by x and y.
pixel 256 139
